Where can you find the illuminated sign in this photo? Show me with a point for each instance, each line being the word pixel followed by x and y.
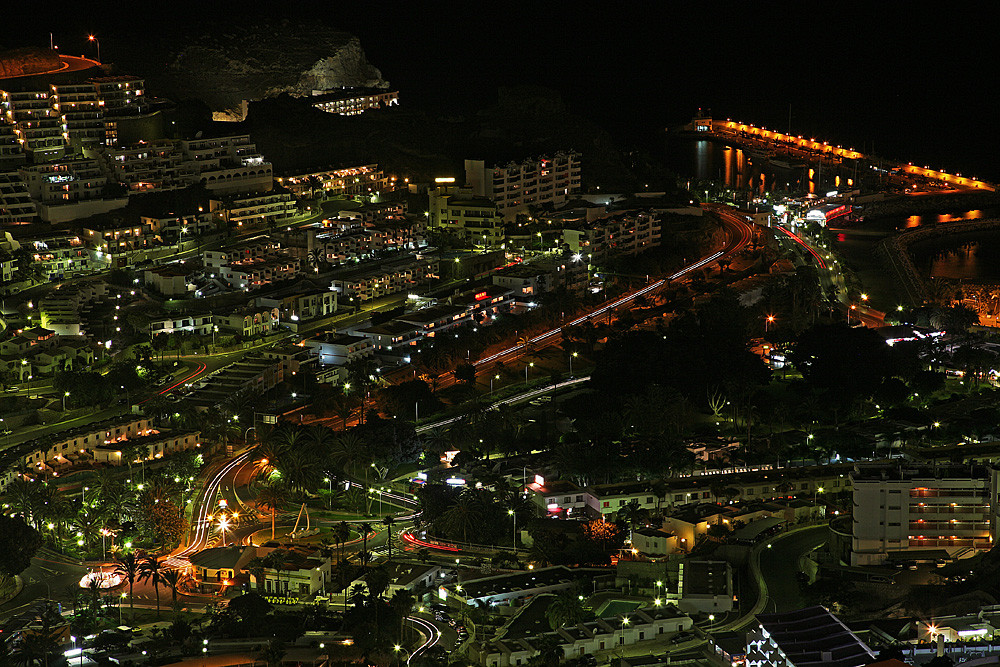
pixel 445 179
pixel 481 295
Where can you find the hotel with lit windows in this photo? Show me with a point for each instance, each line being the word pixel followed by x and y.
pixel 912 512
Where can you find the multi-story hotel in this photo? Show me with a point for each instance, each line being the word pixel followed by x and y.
pixel 518 187
pixel 228 164
pixel 903 510
pixel 67 190
pixel 37 126
pixel 353 101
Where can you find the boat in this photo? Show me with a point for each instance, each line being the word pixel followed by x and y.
pixel 787 165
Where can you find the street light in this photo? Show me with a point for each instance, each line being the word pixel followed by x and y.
pixel 767 321
pixel 531 365
pixel 492 378
pixel 223 524
pixel 514 536
pixel 65 396
pixel 94 39
pixel 571 357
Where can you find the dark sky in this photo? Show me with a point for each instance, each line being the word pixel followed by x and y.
pixel 916 82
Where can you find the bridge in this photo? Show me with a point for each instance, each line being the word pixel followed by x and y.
pixel 730 130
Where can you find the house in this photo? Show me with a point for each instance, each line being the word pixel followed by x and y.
pixel 303 574
pixel 654 542
pixel 389 334
pixel 403 576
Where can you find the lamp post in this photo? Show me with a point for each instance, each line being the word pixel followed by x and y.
pixel 767 321
pixel 530 365
pixel 65 396
pixel 514 536
pixel 94 39
pixel 571 357
pixel 397 648
pixel 492 378
pixel 329 483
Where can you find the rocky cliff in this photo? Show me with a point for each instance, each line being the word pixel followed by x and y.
pixel 22 62
pixel 255 62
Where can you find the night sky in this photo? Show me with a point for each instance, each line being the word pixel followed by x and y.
pixel 917 83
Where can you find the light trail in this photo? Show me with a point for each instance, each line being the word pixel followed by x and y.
pixel 805 245
pixel 433 636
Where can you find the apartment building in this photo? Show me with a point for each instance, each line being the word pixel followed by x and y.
pixel 150 446
pixel 249 321
pixel 616 235
pixel 519 187
pixel 60 255
pixel 69 190
pixel 435 319
pixel 907 509
pixel 16 207
pixel 810 637
pixel 258 209
pixel 120 94
pixel 255 374
pixel 353 101
pixel 37 126
pixel 199 324
pixel 228 165
pixel 11 155
pixel 38 352
pixel 64 307
pixel 362 241
pixel 468 216
pixel 365 179
pixel 147 167
pixel 78 445
pixel 8 263
pixel 389 278
pixel 339 349
pixel 296 306
pixel 81 112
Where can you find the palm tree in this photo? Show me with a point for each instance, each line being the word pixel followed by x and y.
pixel 342 533
pixel 272 496
pixel 462 517
pixel 565 609
pixel 128 568
pixel 150 569
pixel 366 528
pixel 387 522
pixel 172 579
pixel 276 561
pixel 256 567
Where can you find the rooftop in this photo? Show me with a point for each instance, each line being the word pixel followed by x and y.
pixel 814 636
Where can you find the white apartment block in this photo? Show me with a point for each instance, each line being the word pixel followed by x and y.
pixel 518 187
pixel 63 255
pixel 914 508
pixel 37 126
pixel 616 235
pixel 11 154
pixel 153 166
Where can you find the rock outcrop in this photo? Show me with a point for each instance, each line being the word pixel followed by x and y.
pixel 255 62
pixel 27 61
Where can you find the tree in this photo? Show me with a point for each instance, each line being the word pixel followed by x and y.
pixel 849 362
pixel 276 561
pixel 565 609
pixel 388 521
pixel 256 567
pixel 172 579
pixel 152 570
pixel 273 497
pixel 19 543
pixel 366 529
pixel 128 567
pixel 466 374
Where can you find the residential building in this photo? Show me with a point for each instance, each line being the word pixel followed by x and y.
pixel 120 94
pixel 267 209
pixel 519 187
pixel 435 319
pixel 615 235
pixel 249 321
pixel 256 374
pixel 146 447
pixel 516 588
pixel 914 508
pixel 37 352
pixel 37 126
pixel 408 577
pixel 153 166
pixel 63 308
pixel 11 155
pixel 389 335
pixel 16 207
pixel 522 640
pixel 655 542
pixel 61 255
pixel 8 263
pixel 339 349
pixel 67 190
pixel 706 585
pixel 458 211
pixel 82 114
pixel 227 165
pixel 304 573
pixel 527 281
pixel 365 179
pixel 353 101
pixel 199 324
pixel 804 638
pixel 387 278
pixel 168 280
pixel 298 305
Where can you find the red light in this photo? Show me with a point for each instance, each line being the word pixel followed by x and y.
pixel 481 295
